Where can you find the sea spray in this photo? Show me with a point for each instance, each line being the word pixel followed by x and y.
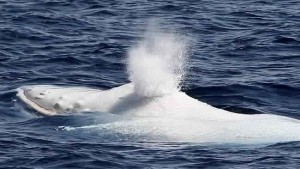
pixel 156 65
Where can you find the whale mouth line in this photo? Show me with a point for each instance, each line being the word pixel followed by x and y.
pixel 23 95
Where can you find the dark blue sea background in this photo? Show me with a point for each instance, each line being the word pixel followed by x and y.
pixel 244 57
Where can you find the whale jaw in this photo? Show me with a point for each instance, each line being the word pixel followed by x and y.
pixel 51 100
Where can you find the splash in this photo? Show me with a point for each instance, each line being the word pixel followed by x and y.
pixel 156 65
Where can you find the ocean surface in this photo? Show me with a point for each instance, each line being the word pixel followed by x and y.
pixel 244 56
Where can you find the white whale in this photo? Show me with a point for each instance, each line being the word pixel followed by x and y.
pixel 177 115
pixel 153 105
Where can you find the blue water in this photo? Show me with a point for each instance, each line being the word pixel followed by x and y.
pixel 244 57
